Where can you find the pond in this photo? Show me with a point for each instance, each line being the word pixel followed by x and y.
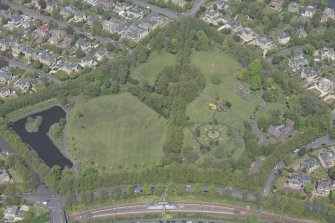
pixel 40 141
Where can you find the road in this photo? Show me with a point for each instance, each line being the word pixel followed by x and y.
pixel 271 178
pixel 54 204
pixel 141 209
pixel 60 23
pixel 29 69
pixel 195 8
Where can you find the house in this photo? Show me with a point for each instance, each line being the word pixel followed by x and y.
pixel 27 22
pixel 324 53
pixel 47 58
pixel 325 85
pixel 211 16
pixel 293 7
pixel 87 61
pixel 66 41
pixel 100 53
pixel 247 34
pixel 51 6
pixel 327 158
pixel 83 44
pixel 327 13
pixel 93 18
pixel 301 32
pixel 15 22
pixel 233 24
pixel 79 16
pixel 107 4
pixel 11 214
pixel 264 42
pixel 309 165
pixel 135 12
pixel 42 30
pixel 323 187
pixel 28 52
pixel 68 10
pixel 56 36
pixel 120 7
pixel 151 22
pixel 296 63
pixel 284 38
pixel 277 4
pixel 281 132
pixel 22 85
pixel 5 76
pixel 309 11
pixel 221 4
pixel 309 75
pixel 134 33
pixel 70 67
pixel 4 176
pixel 91 2
pixel 298 182
pixel 110 26
pixel 4 44
pixel 4 92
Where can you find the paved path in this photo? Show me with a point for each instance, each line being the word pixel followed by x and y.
pixel 29 69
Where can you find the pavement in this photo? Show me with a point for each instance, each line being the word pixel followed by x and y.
pixel 29 69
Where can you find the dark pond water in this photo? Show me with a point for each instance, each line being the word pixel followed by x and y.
pixel 40 141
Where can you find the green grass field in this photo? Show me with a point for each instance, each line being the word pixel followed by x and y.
pixel 115 131
pixel 157 61
pixel 224 66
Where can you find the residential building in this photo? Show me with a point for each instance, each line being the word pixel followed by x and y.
pixel 107 4
pixel 284 38
pixel 68 10
pixel 93 18
pixel 211 16
pixel 110 26
pixel 56 36
pixel 264 42
pixel 309 75
pixel 293 7
pixel 323 187
pixel 11 214
pixel 324 53
pixel 297 63
pixel 327 158
pixel 51 6
pixel 5 76
pixel 4 92
pixel 325 85
pixel 234 24
pixel 281 132
pixel 328 13
pixel 221 4
pixel 5 44
pixel 70 68
pixel 298 182
pixel 309 165
pixel 277 4
pixel 135 12
pixel 100 53
pixel 92 2
pixel 87 61
pixel 83 44
pixel 47 58
pixel 4 175
pixel 42 30
pixel 23 85
pixel 15 22
pixel 309 11
pixel 181 3
pixel 79 16
pixel 247 34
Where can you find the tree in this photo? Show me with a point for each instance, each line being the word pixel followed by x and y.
pixel 202 43
pixel 69 30
pixel 309 49
pixel 3 62
pixel 147 190
pixel 97 28
pixel 42 4
pixel 255 67
pixel 37 64
pixel 332 195
pixel 309 188
pixel 255 83
pixel 331 173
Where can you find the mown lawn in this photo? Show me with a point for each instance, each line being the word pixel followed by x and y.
pixel 115 132
pixel 157 61
pixel 224 66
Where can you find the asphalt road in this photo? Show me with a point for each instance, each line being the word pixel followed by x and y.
pixel 29 69
pixel 271 178
pixel 163 11
pixel 195 8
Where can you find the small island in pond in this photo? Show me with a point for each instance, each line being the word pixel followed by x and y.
pixel 33 124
